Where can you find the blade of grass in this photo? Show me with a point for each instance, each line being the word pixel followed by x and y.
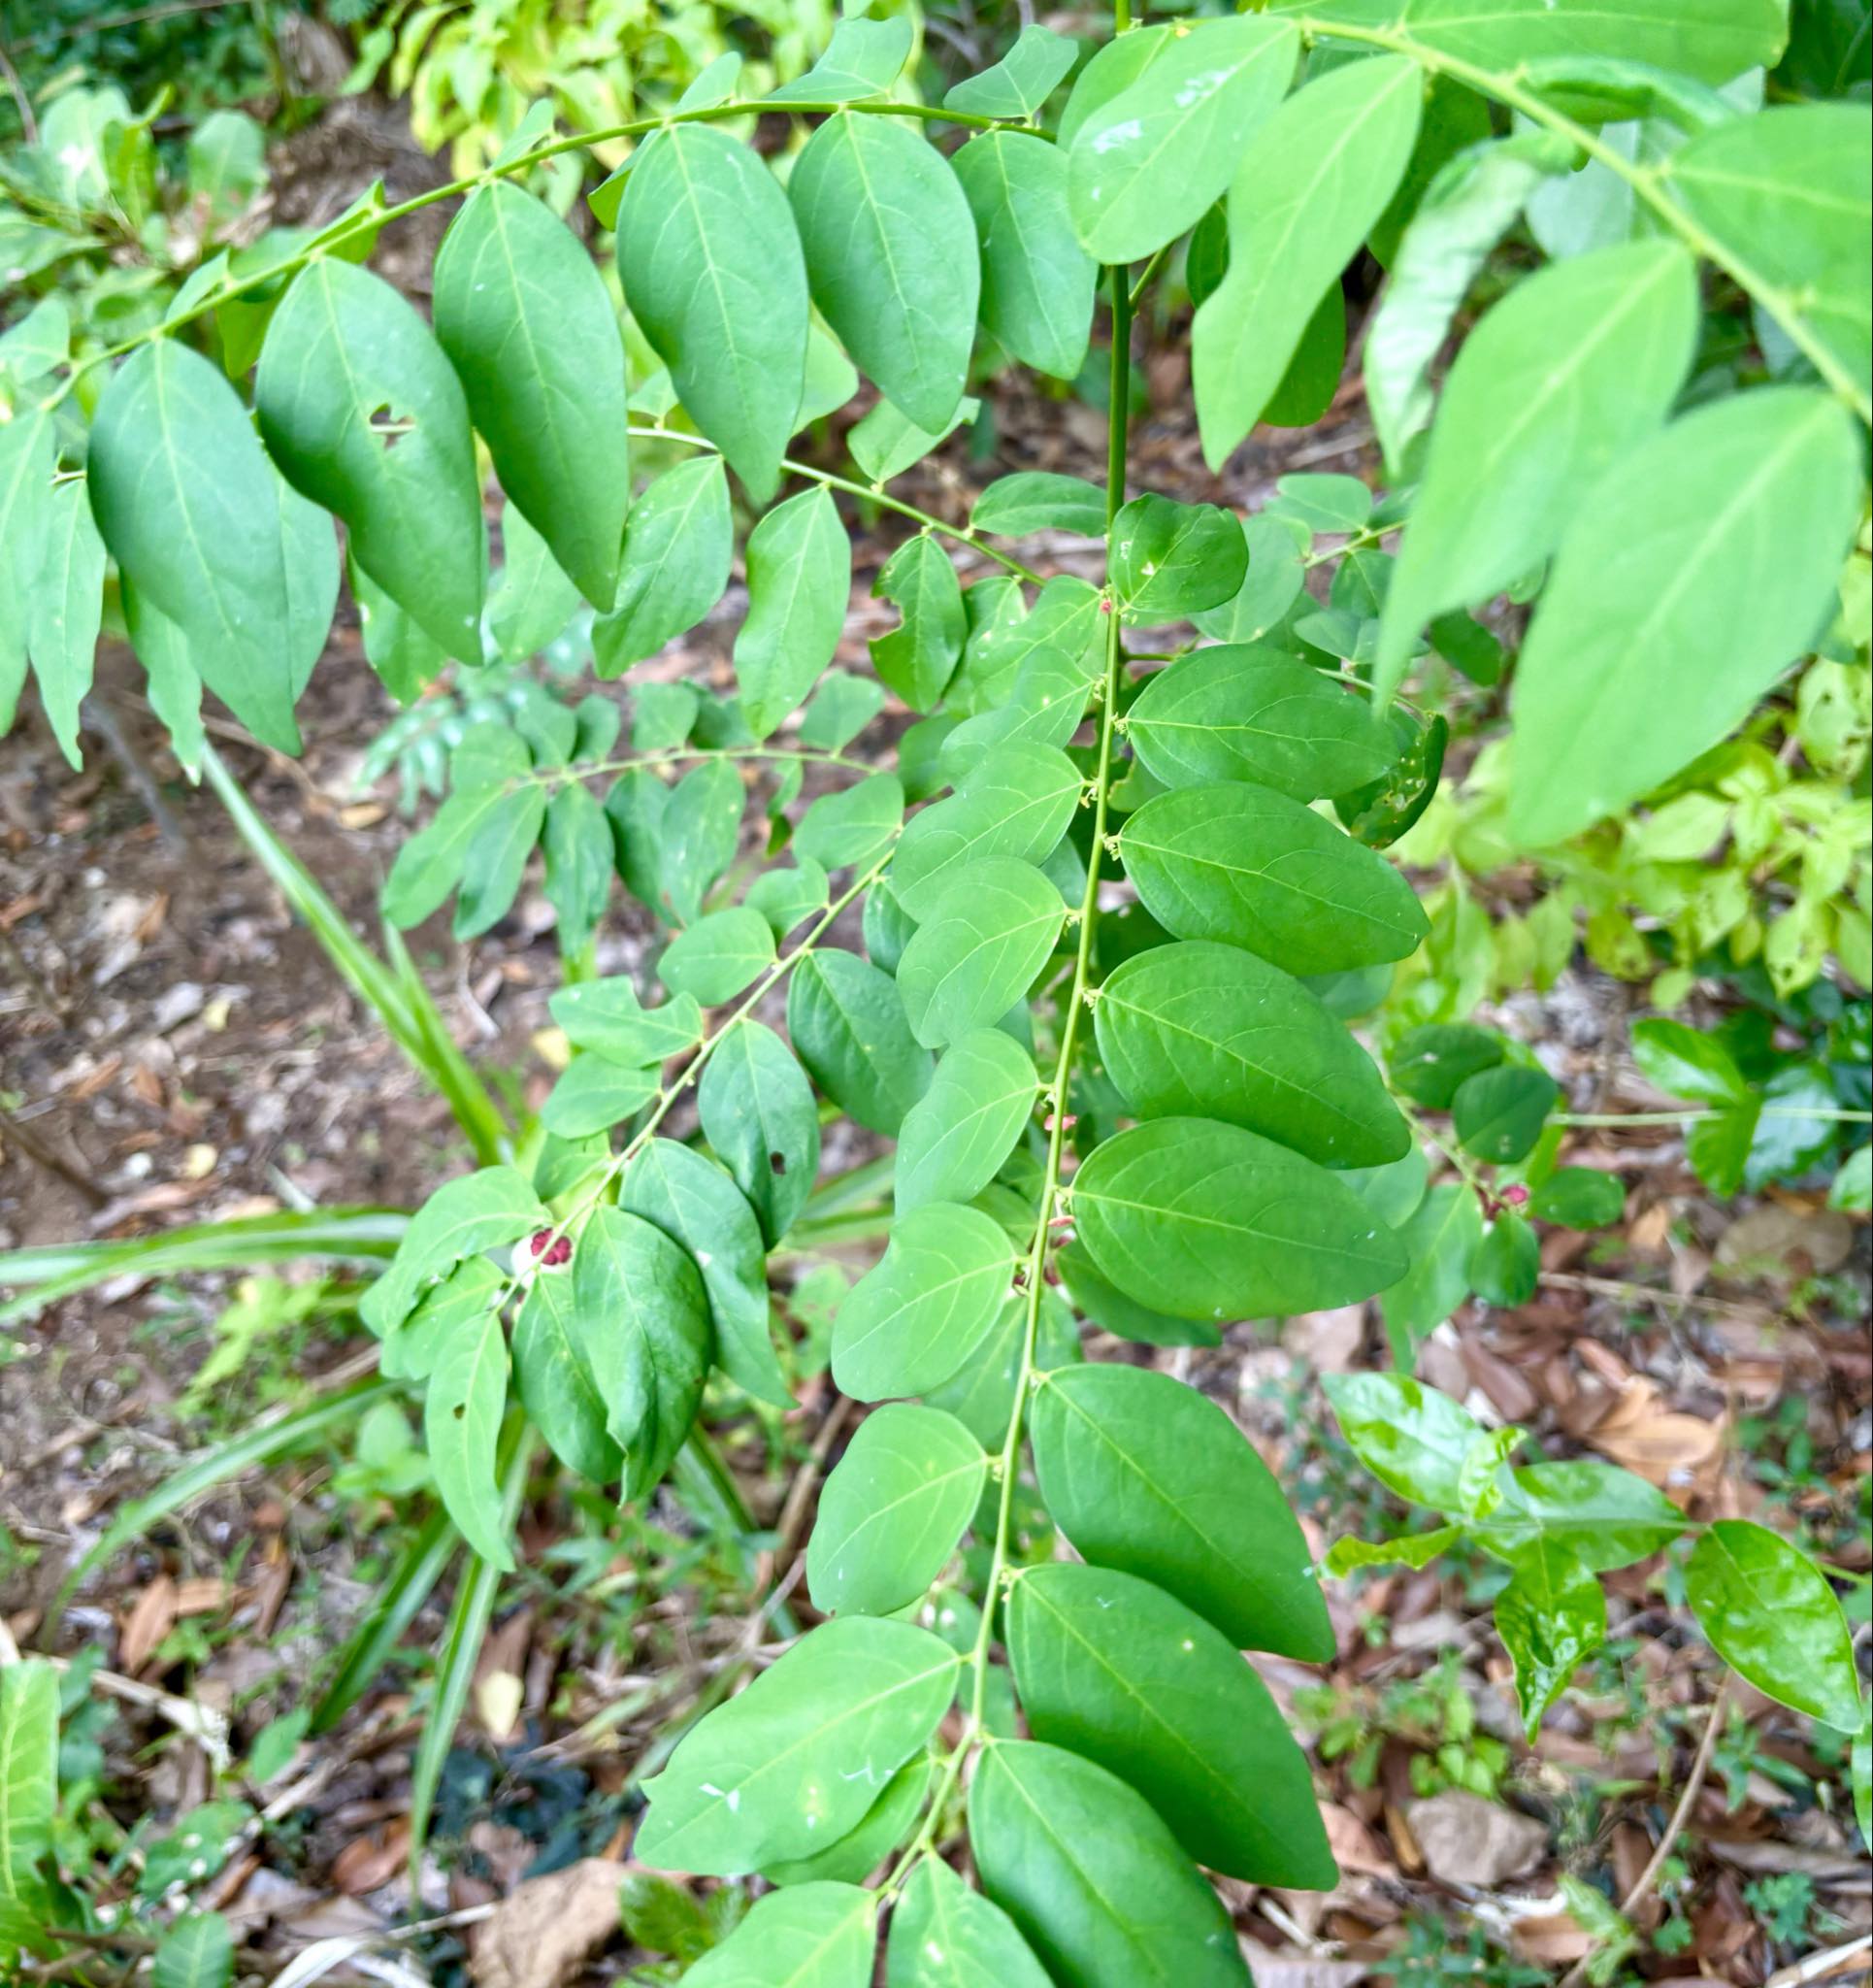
pixel 468 1623
pixel 399 1602
pixel 271 1439
pixel 397 993
pixel 42 1277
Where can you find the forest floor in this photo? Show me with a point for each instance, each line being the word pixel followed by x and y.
pixel 176 1049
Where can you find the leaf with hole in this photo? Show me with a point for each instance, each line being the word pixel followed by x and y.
pixel 758 1112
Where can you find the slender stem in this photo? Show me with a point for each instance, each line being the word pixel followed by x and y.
pixel 1674 1828
pixel 872 493
pixel 1033 1275
pixel 1827 1114
pixel 682 755
pixel 771 977
pixel 376 218
pixel 1649 184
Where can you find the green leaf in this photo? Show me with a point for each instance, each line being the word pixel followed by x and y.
pixel 190 510
pixel 809 1936
pixel 1039 501
pixel 1205 1220
pixel 196 1953
pixel 694 1203
pixel 1579 1197
pixel 1148 1476
pixel 891 258
pixel 1551 1618
pixel 800 572
pixel 1143 167
pixel 842 708
pixel 710 262
pixel 467 1397
pixel 650 1341
pixel 1094 1881
pixel 576 842
pixel 595 1094
pixel 1439 1241
pixel 1555 388
pixel 1171 560
pixel 1687 1063
pixel 495 860
pixel 1412 1439
pixel 1464 213
pixel 697 835
pixel 1244 713
pixel 466 1218
pixel 1016 801
pixel 955 1137
pixel 679 541
pixel 1417 1550
pixel 1711 552
pixel 64 610
pixel 553 1372
pixel 1430 1064
pixel 1505 1267
pixel 525 318
pixel 885 444
pixel 1713 44
pixel 863 60
pixel 1021 83
pixel 758 1112
pixel 430 864
pixel 786 897
pixel 449 1309
pixel 1037 281
pixel 532 600
pixel 29 1795
pixel 854 1857
pixel 947 1935
pixel 1772 1617
pixel 985 936
pixel 851 830
pixel 1057 656
pixel 1274 581
pixel 918 657
pixel 891 1513
pixel 27 460
pixel 1392 1192
pixel 1604 1516
pixel 607 1017
pixel 797 1758
pixel 1114 1669
pixel 719 957
pixel 1783 194
pixel 362 413
pixel 1499 1113
pixel 1313 179
pixel 910 1324
pixel 1198 1030
pixel 1110 1308
pixel 1253 867
pixel 847 1025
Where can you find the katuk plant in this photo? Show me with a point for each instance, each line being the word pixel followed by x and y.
pixel 1085 955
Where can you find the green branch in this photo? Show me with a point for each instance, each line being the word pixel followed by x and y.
pixel 874 493
pixel 1649 184
pixel 369 224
